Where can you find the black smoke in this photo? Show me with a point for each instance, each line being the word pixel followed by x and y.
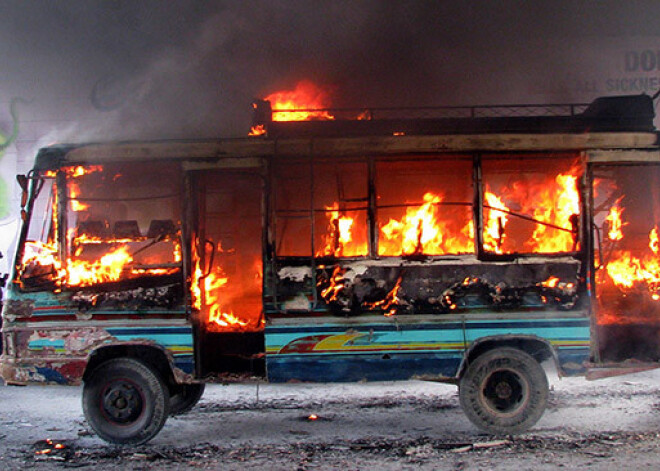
pixel 107 69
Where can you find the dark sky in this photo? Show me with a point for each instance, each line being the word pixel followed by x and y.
pixel 191 68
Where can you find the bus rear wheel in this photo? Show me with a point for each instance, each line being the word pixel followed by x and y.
pixel 504 391
pixel 125 401
pixel 184 397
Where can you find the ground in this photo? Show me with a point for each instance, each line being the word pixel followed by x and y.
pixel 606 424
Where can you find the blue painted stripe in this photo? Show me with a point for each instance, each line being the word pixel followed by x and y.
pixel 435 325
pixel 40 344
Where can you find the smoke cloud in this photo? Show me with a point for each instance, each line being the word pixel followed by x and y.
pixel 126 69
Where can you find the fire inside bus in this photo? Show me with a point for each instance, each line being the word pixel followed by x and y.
pixel 466 248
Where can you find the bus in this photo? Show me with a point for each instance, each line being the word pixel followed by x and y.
pixel 463 245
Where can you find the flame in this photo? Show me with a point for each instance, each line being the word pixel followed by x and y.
pixel 625 269
pixel 653 240
pixel 495 222
pixel 629 272
pixel 225 319
pixel 421 231
pixel 559 205
pixel 40 253
pixel 339 238
pixel 335 285
pixel 74 192
pixel 390 302
pixel 74 189
pixel 177 251
pixel 305 96
pixel 208 292
pixel 105 269
pixel 614 218
pixel 555 204
pixel 550 282
pixel 258 130
pixel 79 170
pixel 52 445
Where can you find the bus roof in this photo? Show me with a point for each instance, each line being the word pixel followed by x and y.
pixel 607 124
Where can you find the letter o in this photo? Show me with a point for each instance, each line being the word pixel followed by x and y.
pixel 647 61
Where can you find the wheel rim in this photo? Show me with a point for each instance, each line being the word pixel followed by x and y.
pixel 505 392
pixel 122 402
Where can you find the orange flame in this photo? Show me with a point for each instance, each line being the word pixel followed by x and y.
pixel 306 96
pixel 339 238
pixel 558 205
pixel 653 240
pixel 207 293
pixel 421 231
pixel 390 302
pixel 336 284
pixel 555 204
pixel 614 218
pixel 258 130
pixel 107 268
pixel 495 222
pixel 550 282
pixel 628 271
pixel 74 192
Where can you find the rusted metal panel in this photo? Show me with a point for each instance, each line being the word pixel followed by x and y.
pixel 624 155
pixel 224 163
pixel 18 309
pixel 249 148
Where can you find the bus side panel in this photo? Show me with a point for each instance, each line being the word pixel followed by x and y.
pixel 372 351
pixel 569 336
pixel 48 341
pixel 380 352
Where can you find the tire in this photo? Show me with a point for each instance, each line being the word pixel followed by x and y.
pixel 125 401
pixel 184 397
pixel 504 391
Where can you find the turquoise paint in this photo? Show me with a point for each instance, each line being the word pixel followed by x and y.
pixel 57 344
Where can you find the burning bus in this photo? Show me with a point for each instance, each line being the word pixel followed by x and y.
pixel 461 245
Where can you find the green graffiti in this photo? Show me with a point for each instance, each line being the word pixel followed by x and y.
pixel 5 142
pixel 4 199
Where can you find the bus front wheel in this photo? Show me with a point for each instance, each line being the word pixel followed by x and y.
pixel 125 401
pixel 504 391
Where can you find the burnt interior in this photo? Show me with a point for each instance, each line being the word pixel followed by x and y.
pixel 427 234
pixel 627 215
pixel 113 228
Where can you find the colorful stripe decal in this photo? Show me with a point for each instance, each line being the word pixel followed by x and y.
pixel 327 352
pixel 177 339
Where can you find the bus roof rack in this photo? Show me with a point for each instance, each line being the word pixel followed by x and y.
pixel 630 113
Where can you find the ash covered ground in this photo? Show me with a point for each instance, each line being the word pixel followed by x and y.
pixel 606 424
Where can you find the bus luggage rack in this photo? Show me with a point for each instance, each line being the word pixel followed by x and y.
pixel 634 113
